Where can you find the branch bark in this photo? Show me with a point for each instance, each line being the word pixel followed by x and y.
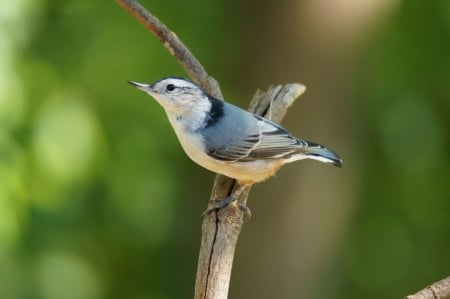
pixel 221 229
pixel 174 45
pixel 438 290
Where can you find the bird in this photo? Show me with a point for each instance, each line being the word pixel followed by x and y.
pixel 226 139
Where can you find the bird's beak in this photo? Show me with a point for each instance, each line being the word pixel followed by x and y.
pixel 142 86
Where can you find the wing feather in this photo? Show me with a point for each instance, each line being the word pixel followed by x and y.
pixel 275 142
pixel 267 140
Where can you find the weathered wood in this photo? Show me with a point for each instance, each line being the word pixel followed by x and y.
pixel 438 290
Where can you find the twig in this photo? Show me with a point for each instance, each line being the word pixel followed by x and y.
pixel 438 290
pixel 220 229
pixel 173 44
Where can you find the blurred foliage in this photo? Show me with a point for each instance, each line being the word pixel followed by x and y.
pixel 97 199
pixel 401 232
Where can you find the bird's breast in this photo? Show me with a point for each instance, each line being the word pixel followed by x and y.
pixel 245 172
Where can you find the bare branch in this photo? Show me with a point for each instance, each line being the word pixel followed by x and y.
pixel 174 45
pixel 220 229
pixel 438 290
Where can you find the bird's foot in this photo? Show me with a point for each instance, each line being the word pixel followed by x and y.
pixel 221 203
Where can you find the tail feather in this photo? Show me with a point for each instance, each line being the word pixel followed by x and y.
pixel 321 153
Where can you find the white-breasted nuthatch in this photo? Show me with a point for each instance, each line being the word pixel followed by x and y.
pixel 227 139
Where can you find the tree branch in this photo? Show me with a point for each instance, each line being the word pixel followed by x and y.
pixel 174 45
pixel 438 290
pixel 220 229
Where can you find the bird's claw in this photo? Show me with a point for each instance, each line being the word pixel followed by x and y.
pixel 221 203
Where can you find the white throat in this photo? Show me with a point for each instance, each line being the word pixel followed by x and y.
pixel 191 119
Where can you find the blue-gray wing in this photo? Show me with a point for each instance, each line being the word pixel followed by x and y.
pixel 242 136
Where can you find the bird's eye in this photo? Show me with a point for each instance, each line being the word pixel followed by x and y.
pixel 170 87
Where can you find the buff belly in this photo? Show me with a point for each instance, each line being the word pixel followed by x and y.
pixel 245 172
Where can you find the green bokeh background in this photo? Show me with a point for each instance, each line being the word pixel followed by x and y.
pixel 97 199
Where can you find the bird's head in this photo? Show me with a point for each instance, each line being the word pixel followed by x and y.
pixel 185 103
pixel 177 95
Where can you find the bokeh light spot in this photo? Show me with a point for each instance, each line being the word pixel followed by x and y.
pixel 65 276
pixel 65 137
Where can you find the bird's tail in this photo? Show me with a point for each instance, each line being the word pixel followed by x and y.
pixel 321 153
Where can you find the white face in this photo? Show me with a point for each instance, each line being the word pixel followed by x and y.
pixel 186 104
pixel 177 95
